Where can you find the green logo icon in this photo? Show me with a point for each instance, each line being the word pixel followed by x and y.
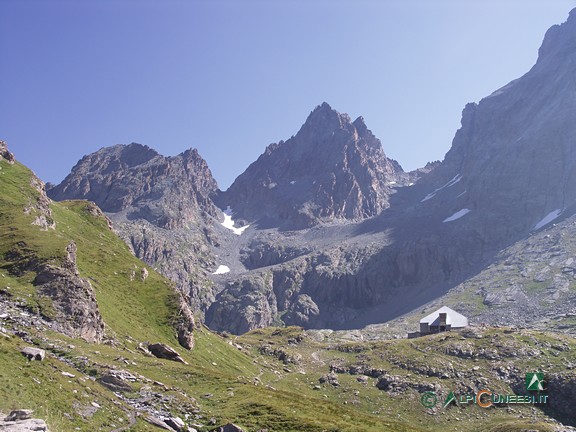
pixel 535 381
pixel 449 399
pixel 428 399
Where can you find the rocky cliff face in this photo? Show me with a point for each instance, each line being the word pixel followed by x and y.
pixel 515 154
pixel 76 312
pixel 334 168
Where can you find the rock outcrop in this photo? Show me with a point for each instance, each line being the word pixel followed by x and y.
pixel 5 154
pixel 75 310
pixel 21 420
pixel 39 204
pixel 244 305
pixel 186 323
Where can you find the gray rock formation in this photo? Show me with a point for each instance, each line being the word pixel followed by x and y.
pixel 186 323
pixel 5 154
pixel 33 353
pixel 332 169
pixel 510 172
pixel 229 427
pixel 158 423
pixel 76 312
pixel 21 420
pixel 244 305
pixel 40 206
pixel 164 351
pixel 114 383
pixel 515 149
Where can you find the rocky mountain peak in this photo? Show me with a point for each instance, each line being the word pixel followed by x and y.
pixel 166 191
pixel 325 118
pixel 332 168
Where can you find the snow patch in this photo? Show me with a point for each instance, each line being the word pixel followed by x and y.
pixel 457 215
pixel 292 182
pixel 229 222
pixel 548 218
pixel 452 182
pixel 272 185
pixel 221 270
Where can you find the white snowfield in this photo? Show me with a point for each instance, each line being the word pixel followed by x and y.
pixel 452 182
pixel 457 215
pixel 548 218
pixel 221 270
pixel 229 222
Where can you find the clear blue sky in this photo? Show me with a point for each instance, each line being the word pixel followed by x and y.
pixel 230 77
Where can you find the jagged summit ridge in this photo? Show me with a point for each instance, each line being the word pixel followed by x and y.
pixel 332 168
pixel 166 191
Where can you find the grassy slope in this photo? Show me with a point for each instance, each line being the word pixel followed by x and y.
pixel 405 358
pixel 134 311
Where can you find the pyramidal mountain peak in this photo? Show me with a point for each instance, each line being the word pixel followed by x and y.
pixel 324 121
pixel 332 168
pixel 325 117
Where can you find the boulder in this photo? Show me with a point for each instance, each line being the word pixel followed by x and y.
pixel 19 414
pixel 176 423
pixel 186 323
pixel 33 353
pixel 114 383
pixel 331 378
pixel 230 427
pixel 164 351
pixel 21 420
pixel 158 423
pixel 24 426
